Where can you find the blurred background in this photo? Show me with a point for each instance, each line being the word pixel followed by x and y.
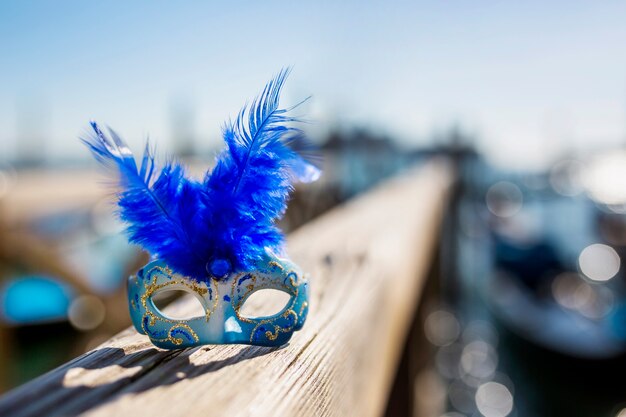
pixel 527 100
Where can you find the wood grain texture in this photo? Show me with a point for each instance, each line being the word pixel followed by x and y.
pixel 367 259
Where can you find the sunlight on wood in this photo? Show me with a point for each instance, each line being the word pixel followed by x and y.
pixel 81 377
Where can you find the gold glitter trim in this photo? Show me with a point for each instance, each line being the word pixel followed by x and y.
pixel 277 329
pixel 304 305
pixel 170 338
pixel 151 287
pixel 292 291
pixel 276 264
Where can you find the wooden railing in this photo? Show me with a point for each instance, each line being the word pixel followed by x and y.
pixel 368 260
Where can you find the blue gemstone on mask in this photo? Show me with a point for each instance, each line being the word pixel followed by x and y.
pixel 219 267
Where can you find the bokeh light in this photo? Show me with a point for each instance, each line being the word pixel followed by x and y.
pixel 605 180
pixel 599 262
pixel 479 360
pixel 86 312
pixel 566 178
pixel 504 199
pixel 494 400
pixel 573 293
pixel 570 291
pixel 441 328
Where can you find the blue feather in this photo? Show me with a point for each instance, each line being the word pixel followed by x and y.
pixel 158 209
pixel 248 189
pixel 227 221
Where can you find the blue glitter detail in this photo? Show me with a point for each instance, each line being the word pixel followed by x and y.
pixel 226 298
pixel 260 331
pixel 245 277
pixel 156 334
pixel 176 332
pixel 287 279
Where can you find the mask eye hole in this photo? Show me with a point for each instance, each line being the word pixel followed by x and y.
pixel 192 308
pixel 264 302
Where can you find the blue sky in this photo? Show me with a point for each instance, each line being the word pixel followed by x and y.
pixel 531 79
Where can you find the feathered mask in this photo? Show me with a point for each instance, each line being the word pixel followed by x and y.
pixel 216 238
pixel 225 222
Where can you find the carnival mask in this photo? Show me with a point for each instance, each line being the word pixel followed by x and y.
pixel 216 238
pixel 221 300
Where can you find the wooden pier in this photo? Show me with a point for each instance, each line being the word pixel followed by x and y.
pixel 368 260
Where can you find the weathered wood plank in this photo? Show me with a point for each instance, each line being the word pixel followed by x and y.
pixel 367 260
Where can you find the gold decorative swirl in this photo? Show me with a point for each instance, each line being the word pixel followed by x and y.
pixel 277 329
